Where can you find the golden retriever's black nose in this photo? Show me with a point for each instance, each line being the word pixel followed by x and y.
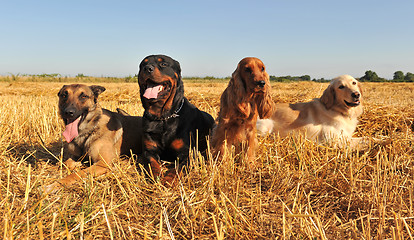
pixel 261 83
pixel 355 95
pixel 149 68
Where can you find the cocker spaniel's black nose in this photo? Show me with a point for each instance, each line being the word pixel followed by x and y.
pixel 261 83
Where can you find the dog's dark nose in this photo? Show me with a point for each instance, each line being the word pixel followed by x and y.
pixel 261 83
pixel 355 95
pixel 149 68
pixel 70 112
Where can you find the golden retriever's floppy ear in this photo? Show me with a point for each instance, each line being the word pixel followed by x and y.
pixel 328 97
pixel 360 88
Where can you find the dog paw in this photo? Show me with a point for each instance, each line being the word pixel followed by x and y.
pixel 71 164
pixel 170 178
pixel 51 188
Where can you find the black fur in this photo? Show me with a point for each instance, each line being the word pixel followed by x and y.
pixel 165 123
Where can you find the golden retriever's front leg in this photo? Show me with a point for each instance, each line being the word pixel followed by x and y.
pixel 364 143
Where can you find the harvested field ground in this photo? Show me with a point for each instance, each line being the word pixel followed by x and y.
pixel 301 191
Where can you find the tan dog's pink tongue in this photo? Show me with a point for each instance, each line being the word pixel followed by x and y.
pixel 71 130
pixel 152 92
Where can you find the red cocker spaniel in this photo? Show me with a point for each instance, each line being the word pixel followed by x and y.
pixel 246 97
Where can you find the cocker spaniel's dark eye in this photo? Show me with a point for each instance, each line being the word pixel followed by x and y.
pixel 263 69
pixel 249 70
pixel 341 87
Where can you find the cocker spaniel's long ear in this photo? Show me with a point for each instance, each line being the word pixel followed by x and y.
pixel 237 95
pixel 265 104
pixel 328 97
pixel 239 87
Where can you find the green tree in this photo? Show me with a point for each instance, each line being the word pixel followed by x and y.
pixel 369 76
pixel 398 76
pixel 305 78
pixel 409 77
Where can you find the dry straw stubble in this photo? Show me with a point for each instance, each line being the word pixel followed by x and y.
pixel 302 190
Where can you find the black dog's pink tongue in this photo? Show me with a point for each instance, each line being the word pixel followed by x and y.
pixel 71 130
pixel 152 92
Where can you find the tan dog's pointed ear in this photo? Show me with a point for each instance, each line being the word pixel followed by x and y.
pixel 61 90
pixel 328 97
pixel 97 90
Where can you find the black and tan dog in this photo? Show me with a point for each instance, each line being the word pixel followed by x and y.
pixel 95 132
pixel 171 124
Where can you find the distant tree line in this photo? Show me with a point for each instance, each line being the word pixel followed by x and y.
pixel 370 76
pixel 399 76
pixel 290 78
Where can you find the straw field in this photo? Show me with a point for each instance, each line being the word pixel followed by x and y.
pixel 301 190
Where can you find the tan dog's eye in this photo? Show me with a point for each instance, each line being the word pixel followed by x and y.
pixel 341 87
pixel 82 96
pixel 64 94
pixel 353 83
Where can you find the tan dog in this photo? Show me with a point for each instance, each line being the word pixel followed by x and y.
pixel 94 132
pixel 331 118
pixel 246 98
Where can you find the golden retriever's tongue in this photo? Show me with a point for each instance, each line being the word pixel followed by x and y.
pixel 152 92
pixel 71 130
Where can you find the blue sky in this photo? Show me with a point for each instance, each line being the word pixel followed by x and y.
pixel 208 38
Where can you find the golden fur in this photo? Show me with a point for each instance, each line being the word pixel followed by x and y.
pixel 102 135
pixel 331 118
pixel 244 100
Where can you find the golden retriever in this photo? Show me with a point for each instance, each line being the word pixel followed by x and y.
pixel 329 119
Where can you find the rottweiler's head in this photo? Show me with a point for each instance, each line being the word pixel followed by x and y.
pixel 76 100
pixel 161 88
